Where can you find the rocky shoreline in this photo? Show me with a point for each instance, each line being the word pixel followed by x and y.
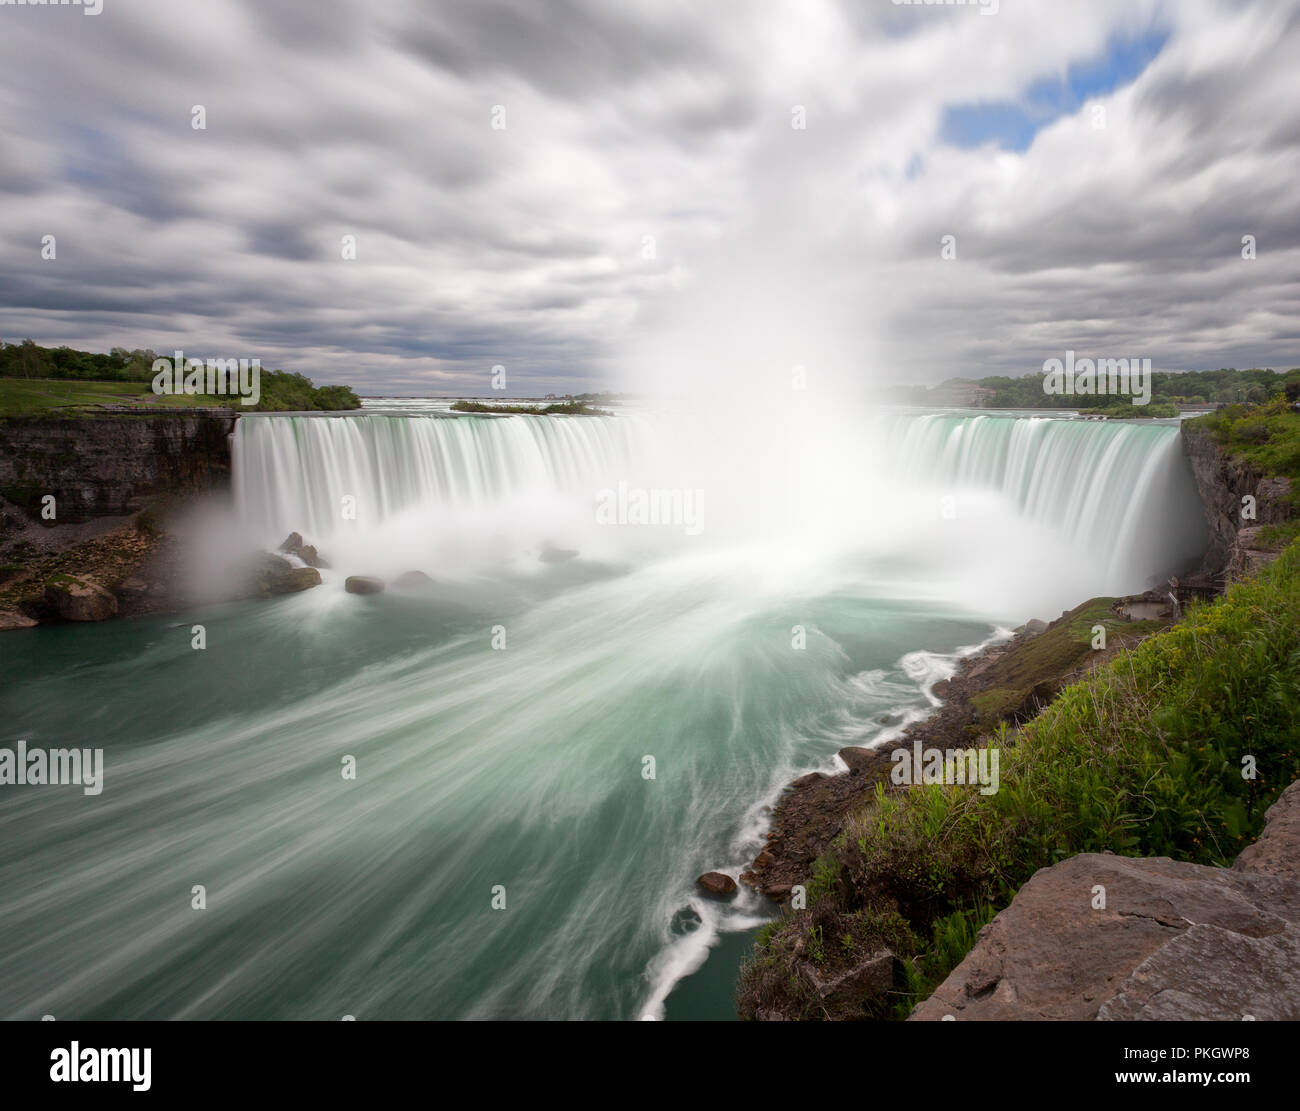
pixel 811 812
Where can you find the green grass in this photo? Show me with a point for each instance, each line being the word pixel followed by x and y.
pixel 37 397
pixel 1143 757
pixel 1266 436
pixel 1031 673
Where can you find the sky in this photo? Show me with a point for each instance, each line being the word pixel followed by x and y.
pixel 618 193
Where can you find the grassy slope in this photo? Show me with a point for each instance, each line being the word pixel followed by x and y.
pixel 1142 758
pixel 34 397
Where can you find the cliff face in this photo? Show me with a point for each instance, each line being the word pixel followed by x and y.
pixel 105 466
pixel 1223 482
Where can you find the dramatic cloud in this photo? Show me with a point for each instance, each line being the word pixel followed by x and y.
pixel 648 211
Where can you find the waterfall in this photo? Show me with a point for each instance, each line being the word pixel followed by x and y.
pixel 1111 505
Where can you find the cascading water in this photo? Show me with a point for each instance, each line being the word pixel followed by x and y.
pixel 546 752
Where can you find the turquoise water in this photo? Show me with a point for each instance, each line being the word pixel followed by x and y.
pixel 513 773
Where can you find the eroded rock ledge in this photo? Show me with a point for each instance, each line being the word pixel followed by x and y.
pixel 1173 940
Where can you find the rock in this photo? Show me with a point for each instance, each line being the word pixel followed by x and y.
pixel 1276 852
pixel 363 584
pixel 311 557
pixel 296 546
pixel 79 599
pixel 861 760
pixel 269 575
pixel 413 580
pixel 557 555
pixel 15 619
pixel 871 977
pixel 750 878
pixel 1175 941
pixel 1034 626
pixel 296 579
pixel 717 883
pixel 778 892
pixel 764 860
pixel 942 688
pixel 806 781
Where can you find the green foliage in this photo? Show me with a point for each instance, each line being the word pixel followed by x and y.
pixel 1169 390
pixel 35 380
pixel 1267 437
pixel 560 408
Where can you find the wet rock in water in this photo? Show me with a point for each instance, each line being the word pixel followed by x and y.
pixel 363 584
pixel 685 921
pixel 717 883
pixel 413 580
pixel 296 546
pixel 296 579
pixel 15 619
pixel 79 599
pixel 807 780
pixel 942 688
pixel 557 555
pixel 750 878
pixel 270 574
pixel 311 557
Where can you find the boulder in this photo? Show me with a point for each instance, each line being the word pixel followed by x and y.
pixel 269 575
pixel 296 579
pixel 1277 852
pixel 295 545
pixel 1173 941
pixel 717 883
pixel 79 599
pixel 363 584
pixel 807 780
pixel 15 619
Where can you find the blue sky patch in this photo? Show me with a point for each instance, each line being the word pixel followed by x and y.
pixel 1012 125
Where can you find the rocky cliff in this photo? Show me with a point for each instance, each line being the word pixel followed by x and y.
pixel 1234 546
pixel 106 466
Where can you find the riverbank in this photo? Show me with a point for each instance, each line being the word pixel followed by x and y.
pixel 886 886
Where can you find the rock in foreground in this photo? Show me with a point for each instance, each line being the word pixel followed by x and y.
pixel 1173 941
pixel 363 584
